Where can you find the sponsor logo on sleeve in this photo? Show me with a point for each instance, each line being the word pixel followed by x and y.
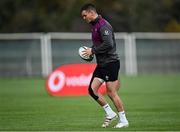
pixel 106 32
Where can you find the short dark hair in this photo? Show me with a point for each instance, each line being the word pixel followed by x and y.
pixel 88 7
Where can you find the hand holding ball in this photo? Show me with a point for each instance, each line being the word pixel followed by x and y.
pixel 82 54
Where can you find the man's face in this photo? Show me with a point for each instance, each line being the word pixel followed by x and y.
pixel 87 16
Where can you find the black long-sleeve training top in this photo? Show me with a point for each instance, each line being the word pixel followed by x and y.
pixel 104 45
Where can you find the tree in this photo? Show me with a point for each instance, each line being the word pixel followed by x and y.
pixel 64 16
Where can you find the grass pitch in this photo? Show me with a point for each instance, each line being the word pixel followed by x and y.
pixel 152 103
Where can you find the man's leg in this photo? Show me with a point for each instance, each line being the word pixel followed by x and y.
pixel 95 85
pixel 112 93
pixel 112 88
pixel 110 114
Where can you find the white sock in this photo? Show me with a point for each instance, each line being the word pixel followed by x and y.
pixel 109 111
pixel 122 117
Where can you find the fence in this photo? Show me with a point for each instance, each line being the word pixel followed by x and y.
pixel 37 54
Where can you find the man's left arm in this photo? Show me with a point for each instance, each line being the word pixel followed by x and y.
pixel 107 41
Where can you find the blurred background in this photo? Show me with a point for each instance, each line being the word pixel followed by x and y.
pixel 59 16
pixel 39 35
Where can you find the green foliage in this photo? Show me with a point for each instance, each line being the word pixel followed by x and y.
pixel 64 16
pixel 173 26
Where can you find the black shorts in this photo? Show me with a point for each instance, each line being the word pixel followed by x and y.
pixel 109 72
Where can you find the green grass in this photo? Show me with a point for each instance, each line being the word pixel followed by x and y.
pixel 152 103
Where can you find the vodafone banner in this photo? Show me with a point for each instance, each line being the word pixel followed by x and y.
pixel 71 80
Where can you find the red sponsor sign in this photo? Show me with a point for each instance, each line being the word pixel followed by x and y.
pixel 71 80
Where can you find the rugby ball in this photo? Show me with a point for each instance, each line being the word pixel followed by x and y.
pixel 86 58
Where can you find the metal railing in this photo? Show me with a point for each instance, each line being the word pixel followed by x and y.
pixel 139 52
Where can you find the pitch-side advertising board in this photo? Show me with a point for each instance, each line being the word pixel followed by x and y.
pixel 71 80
